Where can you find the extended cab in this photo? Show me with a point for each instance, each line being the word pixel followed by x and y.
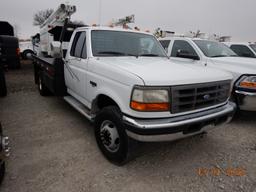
pixel 200 52
pixel 125 84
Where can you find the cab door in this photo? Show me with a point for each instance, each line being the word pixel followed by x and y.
pixel 182 51
pixel 76 67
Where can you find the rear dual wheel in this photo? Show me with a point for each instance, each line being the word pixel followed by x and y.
pixel 43 90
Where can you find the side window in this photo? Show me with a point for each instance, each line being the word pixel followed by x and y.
pixel 78 43
pixel 242 50
pixel 182 46
pixel 72 51
pixel 165 44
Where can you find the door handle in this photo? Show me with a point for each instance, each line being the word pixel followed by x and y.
pixel 93 84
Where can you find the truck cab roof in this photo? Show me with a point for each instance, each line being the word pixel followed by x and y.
pixel 6 28
pixel 110 29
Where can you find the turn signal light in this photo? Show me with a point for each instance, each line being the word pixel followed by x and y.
pixel 150 106
pixel 247 84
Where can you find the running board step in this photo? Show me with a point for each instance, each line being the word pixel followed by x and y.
pixel 78 106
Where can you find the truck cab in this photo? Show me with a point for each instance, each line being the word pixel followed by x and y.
pixel 212 54
pixel 243 49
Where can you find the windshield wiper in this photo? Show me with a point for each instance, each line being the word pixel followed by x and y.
pixel 110 53
pixel 150 55
pixel 220 56
pixel 116 53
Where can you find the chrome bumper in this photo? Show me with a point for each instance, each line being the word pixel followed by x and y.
pixel 168 129
pixel 246 100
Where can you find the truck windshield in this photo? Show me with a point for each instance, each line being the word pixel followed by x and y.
pixel 214 49
pixel 122 43
pixel 253 46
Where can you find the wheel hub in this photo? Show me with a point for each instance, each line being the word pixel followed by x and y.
pixel 109 136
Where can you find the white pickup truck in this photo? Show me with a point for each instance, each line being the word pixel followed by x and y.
pixel 125 84
pixel 200 52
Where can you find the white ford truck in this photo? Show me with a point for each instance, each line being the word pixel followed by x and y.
pixel 212 54
pixel 123 81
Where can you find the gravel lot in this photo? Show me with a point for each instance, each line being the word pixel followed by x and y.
pixel 54 150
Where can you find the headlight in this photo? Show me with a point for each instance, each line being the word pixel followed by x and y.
pixel 148 99
pixel 247 82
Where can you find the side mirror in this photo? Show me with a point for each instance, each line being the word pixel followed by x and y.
pixel 56 51
pixel 187 55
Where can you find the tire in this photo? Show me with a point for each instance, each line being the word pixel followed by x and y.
pixel 111 137
pixel 3 89
pixel 2 171
pixel 43 90
pixel 25 53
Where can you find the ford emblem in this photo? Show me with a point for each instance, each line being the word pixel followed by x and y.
pixel 206 97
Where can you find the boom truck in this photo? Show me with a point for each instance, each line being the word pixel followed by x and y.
pixel 123 82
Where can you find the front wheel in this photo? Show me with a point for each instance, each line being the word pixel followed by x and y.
pixel 111 137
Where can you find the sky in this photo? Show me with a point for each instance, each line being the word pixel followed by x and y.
pixel 223 17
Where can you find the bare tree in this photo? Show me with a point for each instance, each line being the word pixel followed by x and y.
pixel 41 16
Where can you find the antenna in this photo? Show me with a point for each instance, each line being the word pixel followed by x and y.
pixel 100 5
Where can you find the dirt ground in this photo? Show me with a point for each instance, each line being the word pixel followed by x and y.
pixel 54 150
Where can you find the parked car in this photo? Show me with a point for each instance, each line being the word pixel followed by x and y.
pixel 26 49
pixel 212 54
pixel 9 46
pixel 243 49
pixel 4 152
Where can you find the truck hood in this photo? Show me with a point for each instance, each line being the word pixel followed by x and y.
pixel 236 65
pixel 161 71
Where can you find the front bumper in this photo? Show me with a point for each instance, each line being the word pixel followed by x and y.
pixel 168 129
pixel 246 100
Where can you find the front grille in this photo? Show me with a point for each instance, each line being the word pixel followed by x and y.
pixel 197 96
